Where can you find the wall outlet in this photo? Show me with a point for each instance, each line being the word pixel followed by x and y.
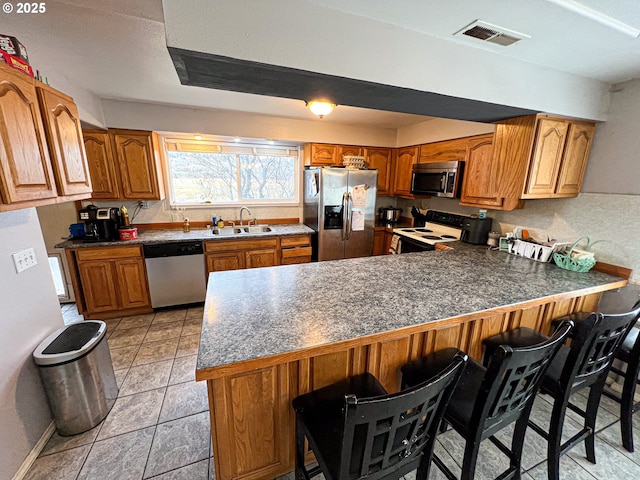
pixel 24 259
pixel 143 204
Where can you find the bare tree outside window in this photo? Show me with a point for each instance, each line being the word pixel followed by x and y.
pixel 264 177
pixel 201 177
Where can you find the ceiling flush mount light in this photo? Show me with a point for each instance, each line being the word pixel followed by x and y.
pixel 320 108
pixel 597 16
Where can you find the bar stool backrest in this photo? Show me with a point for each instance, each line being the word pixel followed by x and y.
pixel 593 346
pixel 382 434
pixel 512 379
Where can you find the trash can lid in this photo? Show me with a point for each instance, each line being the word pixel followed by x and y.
pixel 69 342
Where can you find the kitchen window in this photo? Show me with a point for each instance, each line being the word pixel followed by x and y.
pixel 201 172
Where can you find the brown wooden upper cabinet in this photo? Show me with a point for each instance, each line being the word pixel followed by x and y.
pixel 405 158
pixel 24 159
pixel 34 171
pixel 446 151
pixel 382 160
pixel 124 164
pixel 559 160
pixel 542 156
pixel 102 166
pixel 64 136
pixel 320 154
pixel 348 150
pixel 478 185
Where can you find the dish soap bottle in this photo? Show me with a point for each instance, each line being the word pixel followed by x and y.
pixel 220 223
pixel 125 216
pixel 185 226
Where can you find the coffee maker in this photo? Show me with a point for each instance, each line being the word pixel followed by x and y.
pixel 100 224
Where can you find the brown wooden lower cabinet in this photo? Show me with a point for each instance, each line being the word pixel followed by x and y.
pixel 252 422
pixel 382 241
pixel 255 253
pixel 110 281
pixel 222 261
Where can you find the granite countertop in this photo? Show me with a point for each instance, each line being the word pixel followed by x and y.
pixel 262 312
pixel 176 235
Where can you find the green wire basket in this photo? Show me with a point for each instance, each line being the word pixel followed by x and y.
pixel 574 264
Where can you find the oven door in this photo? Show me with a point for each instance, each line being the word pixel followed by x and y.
pixel 410 245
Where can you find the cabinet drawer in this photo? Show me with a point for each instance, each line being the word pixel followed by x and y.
pixel 107 253
pixel 296 255
pixel 226 245
pixel 295 241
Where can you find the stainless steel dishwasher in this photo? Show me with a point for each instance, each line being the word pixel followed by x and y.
pixel 176 273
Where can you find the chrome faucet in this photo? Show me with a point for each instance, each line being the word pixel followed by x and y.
pixel 241 209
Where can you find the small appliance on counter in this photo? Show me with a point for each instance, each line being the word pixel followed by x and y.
pixel 389 214
pixel 101 224
pixel 476 230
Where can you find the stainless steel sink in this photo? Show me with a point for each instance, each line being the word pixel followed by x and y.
pixel 227 231
pixel 241 230
pixel 257 229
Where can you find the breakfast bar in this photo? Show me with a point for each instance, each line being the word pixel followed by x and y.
pixel 271 334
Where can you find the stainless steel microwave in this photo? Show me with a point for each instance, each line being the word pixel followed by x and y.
pixel 438 179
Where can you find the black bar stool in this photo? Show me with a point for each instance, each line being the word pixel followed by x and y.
pixel 629 354
pixel 585 364
pixel 357 430
pixel 486 400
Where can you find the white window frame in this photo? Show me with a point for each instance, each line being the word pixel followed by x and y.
pixel 215 147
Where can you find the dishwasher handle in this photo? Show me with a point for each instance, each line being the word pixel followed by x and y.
pixel 172 249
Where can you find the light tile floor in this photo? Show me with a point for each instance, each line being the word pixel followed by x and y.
pixel 159 425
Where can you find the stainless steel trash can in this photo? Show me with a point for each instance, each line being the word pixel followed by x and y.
pixel 76 369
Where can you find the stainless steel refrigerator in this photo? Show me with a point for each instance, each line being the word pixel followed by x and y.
pixel 339 205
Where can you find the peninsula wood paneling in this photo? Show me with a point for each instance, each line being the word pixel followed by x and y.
pixel 531 317
pixel 253 412
pixel 385 360
pixel 453 336
pixel 252 422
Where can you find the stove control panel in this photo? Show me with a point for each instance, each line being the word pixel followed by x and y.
pixel 445 218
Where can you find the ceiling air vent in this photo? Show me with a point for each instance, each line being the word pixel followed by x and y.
pixel 486 32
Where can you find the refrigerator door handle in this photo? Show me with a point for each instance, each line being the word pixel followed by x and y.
pixel 349 215
pixel 345 219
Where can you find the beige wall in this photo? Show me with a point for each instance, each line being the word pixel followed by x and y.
pixel 438 129
pixel 613 236
pixel 167 118
pixel 614 166
pixel 30 311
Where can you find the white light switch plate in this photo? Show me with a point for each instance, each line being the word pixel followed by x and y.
pixel 24 259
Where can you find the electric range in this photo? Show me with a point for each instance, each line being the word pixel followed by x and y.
pixel 439 227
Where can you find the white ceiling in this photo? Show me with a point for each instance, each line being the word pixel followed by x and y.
pixel 116 49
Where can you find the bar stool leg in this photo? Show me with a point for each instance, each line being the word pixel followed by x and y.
pixel 299 460
pixel 595 393
pixel 517 442
pixel 554 442
pixel 627 403
pixel 470 458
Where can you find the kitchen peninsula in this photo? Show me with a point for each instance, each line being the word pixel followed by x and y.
pixel 271 334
